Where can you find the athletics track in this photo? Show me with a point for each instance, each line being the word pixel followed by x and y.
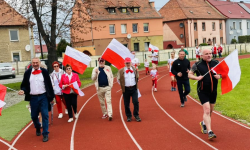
pixel 164 124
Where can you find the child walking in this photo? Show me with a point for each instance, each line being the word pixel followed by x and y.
pixel 154 74
pixel 146 65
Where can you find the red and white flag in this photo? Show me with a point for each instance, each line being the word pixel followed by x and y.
pixel 116 53
pixel 78 60
pixel 229 68
pixel 76 88
pixel 3 91
pixel 152 47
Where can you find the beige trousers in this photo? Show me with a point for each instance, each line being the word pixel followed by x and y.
pixel 105 93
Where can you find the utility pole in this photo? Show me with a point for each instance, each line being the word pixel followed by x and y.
pixel 30 35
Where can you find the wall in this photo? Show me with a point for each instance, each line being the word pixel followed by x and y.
pixel 7 47
pixel 90 49
pixel 237 32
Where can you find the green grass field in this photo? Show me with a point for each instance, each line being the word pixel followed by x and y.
pixel 234 104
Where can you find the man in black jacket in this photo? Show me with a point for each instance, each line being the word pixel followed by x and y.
pixel 38 90
pixel 180 69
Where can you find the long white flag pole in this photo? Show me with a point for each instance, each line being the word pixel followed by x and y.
pixel 214 67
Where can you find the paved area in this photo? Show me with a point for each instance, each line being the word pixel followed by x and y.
pixel 7 80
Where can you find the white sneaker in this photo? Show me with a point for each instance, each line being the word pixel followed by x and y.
pixel 76 115
pixel 66 111
pixel 70 120
pixel 155 90
pixel 60 115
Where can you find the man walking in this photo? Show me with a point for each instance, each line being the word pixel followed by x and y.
pixel 186 52
pixel 180 69
pixel 37 87
pixel 128 79
pixel 103 78
pixel 206 88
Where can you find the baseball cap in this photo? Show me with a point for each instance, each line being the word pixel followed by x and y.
pixel 99 59
pixel 127 60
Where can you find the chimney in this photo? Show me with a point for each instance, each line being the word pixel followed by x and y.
pixel 152 4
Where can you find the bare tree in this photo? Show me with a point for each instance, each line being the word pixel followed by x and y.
pixel 53 20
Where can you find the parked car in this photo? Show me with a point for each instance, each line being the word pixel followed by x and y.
pixel 6 70
pixel 44 61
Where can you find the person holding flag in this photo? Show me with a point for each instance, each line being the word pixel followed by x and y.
pixel 154 57
pixel 127 77
pixel 135 61
pixel 69 94
pixel 37 87
pixel 206 88
pixel 103 78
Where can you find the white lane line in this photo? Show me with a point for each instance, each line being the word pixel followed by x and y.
pixel 125 126
pixel 74 127
pixel 7 144
pixel 222 115
pixel 179 123
pixel 17 138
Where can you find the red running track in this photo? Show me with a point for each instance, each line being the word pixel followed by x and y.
pixel 156 131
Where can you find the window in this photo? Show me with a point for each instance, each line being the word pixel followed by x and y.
pixel 136 10
pixel 195 26
pixel 240 25
pixel 112 29
pixel 221 40
pixel 124 28
pixel 247 25
pixel 14 35
pixel 204 40
pixel 136 46
pixel 126 45
pixel 135 28
pixel 196 42
pixel 111 10
pixel 220 26
pixel 203 26
pixel 214 40
pixel 145 27
pixel 146 45
pixel 234 26
pixel 16 56
pixel 124 10
pixel 213 26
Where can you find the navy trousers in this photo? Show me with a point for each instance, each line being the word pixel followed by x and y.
pixel 40 104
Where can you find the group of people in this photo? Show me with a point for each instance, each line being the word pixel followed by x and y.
pixel 217 50
pixel 40 87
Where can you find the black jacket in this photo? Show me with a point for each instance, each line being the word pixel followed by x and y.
pixel 181 66
pixel 25 86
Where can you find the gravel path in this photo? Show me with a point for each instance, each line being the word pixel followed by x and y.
pixel 12 98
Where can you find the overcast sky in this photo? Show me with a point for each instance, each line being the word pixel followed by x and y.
pixel 161 3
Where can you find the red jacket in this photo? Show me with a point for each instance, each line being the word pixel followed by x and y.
pixel 65 80
pixel 215 50
pixel 220 49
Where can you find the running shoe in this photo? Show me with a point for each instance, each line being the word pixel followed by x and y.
pixel 185 98
pixel 211 135
pixel 137 118
pixel 129 119
pixel 203 128
pixel 104 116
pixel 110 118
pixel 172 89
pixel 182 105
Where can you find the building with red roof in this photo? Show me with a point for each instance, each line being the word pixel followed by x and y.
pixel 238 18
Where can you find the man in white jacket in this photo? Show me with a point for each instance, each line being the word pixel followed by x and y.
pixel 103 77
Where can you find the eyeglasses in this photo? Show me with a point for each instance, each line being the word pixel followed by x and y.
pixel 68 68
pixel 128 63
pixel 55 66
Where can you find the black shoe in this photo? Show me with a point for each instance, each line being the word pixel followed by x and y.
pixel 211 135
pixel 129 119
pixel 110 118
pixel 185 98
pixel 38 131
pixel 203 128
pixel 137 118
pixel 45 138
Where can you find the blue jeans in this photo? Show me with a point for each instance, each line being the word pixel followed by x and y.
pixel 180 84
pixel 40 104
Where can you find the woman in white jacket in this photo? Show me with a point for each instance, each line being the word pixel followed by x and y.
pixel 55 80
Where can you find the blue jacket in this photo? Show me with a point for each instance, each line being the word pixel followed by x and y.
pixel 25 86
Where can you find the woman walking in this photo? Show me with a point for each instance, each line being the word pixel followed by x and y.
pixel 56 76
pixel 69 95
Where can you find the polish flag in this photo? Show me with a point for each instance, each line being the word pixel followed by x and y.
pixel 229 68
pixel 152 47
pixel 116 53
pixel 3 91
pixel 76 88
pixel 78 60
